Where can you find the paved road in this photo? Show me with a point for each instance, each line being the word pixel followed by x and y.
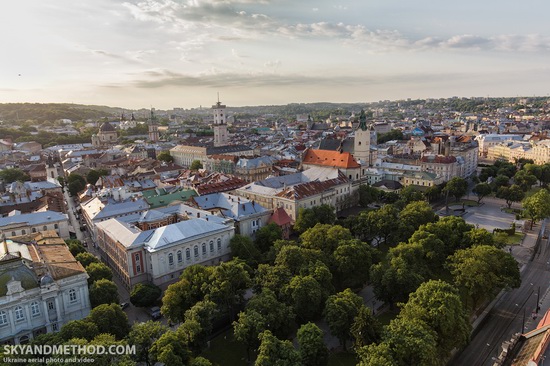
pixel 507 317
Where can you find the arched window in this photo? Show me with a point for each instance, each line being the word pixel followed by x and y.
pixel 72 295
pixel 203 248
pixel 170 259
pixel 211 246
pixel 180 257
pixel 19 315
pixel 35 309
pixel 3 318
pixel 23 232
pixel 196 250
pixel 188 254
pixel 219 244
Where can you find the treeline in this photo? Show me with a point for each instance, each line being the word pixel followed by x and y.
pixel 14 112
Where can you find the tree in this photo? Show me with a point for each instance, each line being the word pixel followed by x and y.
pixel 481 190
pixel 109 318
pixel 296 257
pixel 196 165
pixel 500 181
pixel 340 312
pixel 170 349
pixel 271 277
pixel 324 237
pixel 510 194
pixel 93 175
pixel 75 247
pixel 103 291
pixel 482 271
pixel 197 327
pixel 478 237
pixel 247 329
pixel 412 342
pixel 76 183
pixel 86 258
pixel 414 215
pixel 180 296
pixel 312 348
pixel 143 335
pixel 278 316
pixel 145 294
pixel 309 217
pixel 267 236
pixel 433 193
pixel 97 271
pixel 365 328
pixel 10 175
pixel 376 355
pixel 243 248
pixel 439 305
pixel 274 352
pixel 351 261
pixel 410 194
pixel 368 195
pixel 524 180
pixel 456 187
pixel 381 223
pixel 227 285
pixel 305 295
pixel 79 329
pixel 537 206
pixel 450 230
pixel 166 157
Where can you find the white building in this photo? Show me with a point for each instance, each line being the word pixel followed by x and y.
pixel 158 245
pixel 42 287
pixel 24 224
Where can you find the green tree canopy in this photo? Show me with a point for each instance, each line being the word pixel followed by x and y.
pixel 103 291
pixel 82 328
pixel 537 206
pixel 368 195
pixel 143 335
pixel 510 194
pixel 309 217
pixel 351 263
pixel 324 237
pixel 10 175
pixel 365 328
pixel 482 190
pixel 244 248
pixel 312 348
pixel 456 187
pixel 145 294
pixel 97 271
pixel 109 318
pixel 86 258
pixel 274 352
pixel 267 236
pixel 196 165
pixel 340 312
pixel 412 342
pixel 165 156
pixel 524 180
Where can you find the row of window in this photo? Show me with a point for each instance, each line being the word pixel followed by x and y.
pixel 179 253
pixel 19 313
pixel 24 232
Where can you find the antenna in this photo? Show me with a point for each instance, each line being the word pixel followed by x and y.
pixel 218 97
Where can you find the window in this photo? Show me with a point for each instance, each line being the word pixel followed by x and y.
pixel 170 259
pixel 55 327
pixel 180 257
pixel 35 309
pixel 219 245
pixel 34 230
pixel 203 248
pixel 196 250
pixel 45 228
pixel 3 318
pixel 19 316
pixel 23 232
pixel 50 305
pixel 136 256
pixel 211 246
pixel 13 233
pixel 72 295
pixel 188 254
pixel 55 226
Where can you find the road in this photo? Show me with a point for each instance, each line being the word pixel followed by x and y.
pixel 512 310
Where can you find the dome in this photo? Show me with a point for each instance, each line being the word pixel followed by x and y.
pixel 46 280
pixel 106 127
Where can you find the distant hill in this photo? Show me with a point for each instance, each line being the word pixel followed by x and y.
pixel 13 112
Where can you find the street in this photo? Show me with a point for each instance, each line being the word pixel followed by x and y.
pixel 512 310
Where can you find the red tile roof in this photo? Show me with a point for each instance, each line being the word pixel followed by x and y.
pixel 330 158
pixel 280 217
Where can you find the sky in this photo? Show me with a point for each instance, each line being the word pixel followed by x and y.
pixel 181 53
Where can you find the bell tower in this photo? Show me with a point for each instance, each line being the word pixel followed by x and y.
pixel 221 136
pixel 153 127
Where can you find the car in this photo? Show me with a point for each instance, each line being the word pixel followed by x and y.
pixel 124 305
pixel 155 313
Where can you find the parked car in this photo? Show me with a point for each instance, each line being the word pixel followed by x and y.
pixel 155 313
pixel 124 305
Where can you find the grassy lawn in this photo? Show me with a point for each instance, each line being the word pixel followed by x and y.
pixel 342 359
pixel 226 351
pixel 469 203
pixel 514 239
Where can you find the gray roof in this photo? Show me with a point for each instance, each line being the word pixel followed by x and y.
pixel 214 150
pixel 231 206
pixel 255 162
pixel 35 218
pixel 117 209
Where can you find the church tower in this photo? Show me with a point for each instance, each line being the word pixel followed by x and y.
pixel 221 136
pixel 364 137
pixel 153 127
